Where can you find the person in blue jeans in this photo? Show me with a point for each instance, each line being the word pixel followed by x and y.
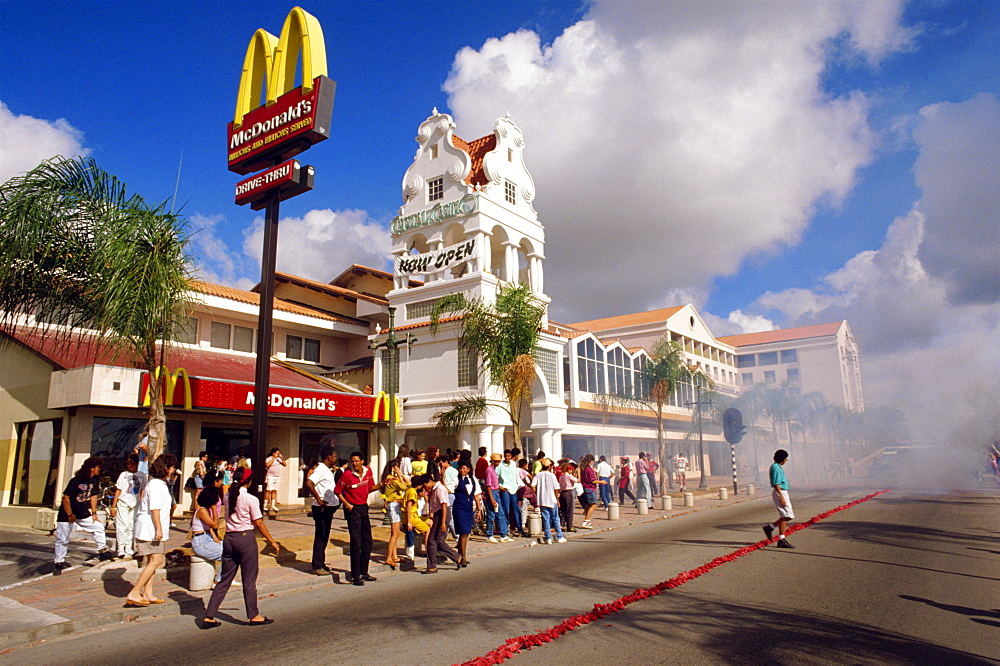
pixel 604 472
pixel 205 540
pixel 547 492
pixel 496 508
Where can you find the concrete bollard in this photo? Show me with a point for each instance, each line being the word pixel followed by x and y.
pixel 750 489
pixel 688 499
pixel 534 523
pixel 666 503
pixel 723 493
pixel 642 506
pixel 202 574
pixel 613 511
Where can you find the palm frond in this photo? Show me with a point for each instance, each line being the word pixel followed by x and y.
pixel 461 412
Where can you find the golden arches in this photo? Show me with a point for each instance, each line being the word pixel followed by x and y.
pixel 170 379
pixel 376 411
pixel 274 60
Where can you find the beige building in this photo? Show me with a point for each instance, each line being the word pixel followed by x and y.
pixel 823 358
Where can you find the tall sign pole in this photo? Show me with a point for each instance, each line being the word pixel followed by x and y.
pixel 262 140
pixel 391 345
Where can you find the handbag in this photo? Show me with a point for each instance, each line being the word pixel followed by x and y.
pixel 578 487
pixel 189 484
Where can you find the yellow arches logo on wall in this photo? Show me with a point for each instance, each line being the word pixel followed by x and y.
pixel 273 60
pixel 169 384
pixel 383 399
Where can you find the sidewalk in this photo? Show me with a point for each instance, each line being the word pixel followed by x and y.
pixel 85 597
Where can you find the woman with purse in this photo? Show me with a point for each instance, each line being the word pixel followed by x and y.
pixel 239 550
pixel 205 540
pixel 393 488
pixel 468 507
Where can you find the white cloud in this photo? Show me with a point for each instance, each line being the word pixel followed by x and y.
pixel 668 124
pixel 25 142
pixel 925 350
pixel 317 246
pixel 322 243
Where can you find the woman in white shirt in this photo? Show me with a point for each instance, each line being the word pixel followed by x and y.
pixel 239 550
pixel 152 528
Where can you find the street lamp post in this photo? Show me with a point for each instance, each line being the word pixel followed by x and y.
pixel 392 345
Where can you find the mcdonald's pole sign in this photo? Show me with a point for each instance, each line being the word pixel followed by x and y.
pixel 265 137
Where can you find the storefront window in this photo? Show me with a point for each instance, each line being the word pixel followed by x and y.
pixel 345 442
pixel 113 439
pixel 37 463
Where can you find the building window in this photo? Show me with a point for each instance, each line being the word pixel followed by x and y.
pixel 793 374
pixel 434 151
pixel 745 361
pixel 747 379
pixel 230 336
pixel 306 349
pixel 769 377
pixel 619 372
pixel 186 331
pixel 420 309
pixel 468 362
pixel 548 363
pixel 510 192
pixel 510 154
pixel 769 358
pixel 37 462
pixel 789 356
pixel 590 366
pixel 435 189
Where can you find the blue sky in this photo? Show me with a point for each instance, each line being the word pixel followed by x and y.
pixel 775 164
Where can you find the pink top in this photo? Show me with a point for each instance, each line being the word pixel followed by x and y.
pixel 247 511
pixel 567 481
pixel 437 498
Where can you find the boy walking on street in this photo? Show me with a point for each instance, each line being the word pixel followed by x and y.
pixel 123 506
pixel 779 493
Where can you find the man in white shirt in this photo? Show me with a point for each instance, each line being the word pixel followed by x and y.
pixel 320 485
pixel 604 473
pixel 547 492
pixel 680 470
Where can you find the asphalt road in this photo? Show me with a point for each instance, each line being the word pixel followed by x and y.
pixel 902 579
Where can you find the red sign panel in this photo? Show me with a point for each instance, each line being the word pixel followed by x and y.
pixel 282 130
pixel 218 394
pixel 253 188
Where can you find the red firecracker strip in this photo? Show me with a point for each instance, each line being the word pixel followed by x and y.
pixel 514 645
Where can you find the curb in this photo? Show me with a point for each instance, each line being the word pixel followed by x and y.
pixel 24 637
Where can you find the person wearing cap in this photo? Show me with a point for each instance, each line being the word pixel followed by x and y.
pixel 624 474
pixel 547 492
pixel 352 489
pixel 496 517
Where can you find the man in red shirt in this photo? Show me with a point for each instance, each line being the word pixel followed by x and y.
pixel 353 489
pixel 481 464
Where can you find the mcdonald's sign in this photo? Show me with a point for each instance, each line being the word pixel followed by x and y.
pixel 291 120
pixel 162 374
pixel 382 399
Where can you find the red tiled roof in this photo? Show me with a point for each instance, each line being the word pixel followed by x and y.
pixel 358 269
pixel 782 334
pixel 253 298
pixel 331 288
pixel 85 350
pixel 477 151
pixel 635 319
pixel 442 320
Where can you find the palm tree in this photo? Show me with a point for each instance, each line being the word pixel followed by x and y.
pixel 76 248
pixel 504 335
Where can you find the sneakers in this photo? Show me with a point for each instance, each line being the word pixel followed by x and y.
pixel 561 540
pixel 547 542
pixel 768 530
pixel 320 572
pixel 783 543
pixel 59 568
pixel 493 539
pixel 506 539
pixel 586 525
pixel 106 555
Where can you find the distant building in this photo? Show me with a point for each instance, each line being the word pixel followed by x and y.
pixel 822 358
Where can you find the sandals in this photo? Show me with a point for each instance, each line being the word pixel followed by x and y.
pixel 210 624
pixel 142 603
pixel 257 623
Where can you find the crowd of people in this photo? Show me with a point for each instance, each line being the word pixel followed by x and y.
pixel 434 502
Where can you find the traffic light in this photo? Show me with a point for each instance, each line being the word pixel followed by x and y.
pixel 732 424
